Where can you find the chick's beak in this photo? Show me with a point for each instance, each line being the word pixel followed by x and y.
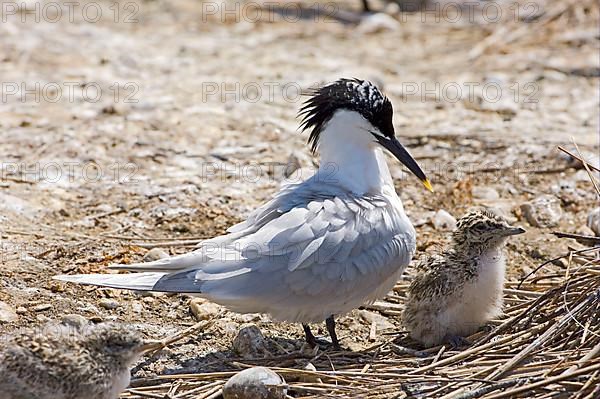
pixel 398 150
pixel 150 346
pixel 513 231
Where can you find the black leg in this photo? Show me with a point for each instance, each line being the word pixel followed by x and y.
pixel 366 6
pixel 330 323
pixel 310 338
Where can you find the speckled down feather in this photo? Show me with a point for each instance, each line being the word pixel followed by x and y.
pixel 59 362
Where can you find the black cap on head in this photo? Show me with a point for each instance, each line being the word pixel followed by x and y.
pixel 350 94
pixel 366 99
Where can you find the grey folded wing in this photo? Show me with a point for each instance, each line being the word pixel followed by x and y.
pixel 310 239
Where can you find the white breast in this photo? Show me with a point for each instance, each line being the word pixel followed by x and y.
pixel 481 297
pixel 120 382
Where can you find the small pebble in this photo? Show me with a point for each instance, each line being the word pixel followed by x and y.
pixel 582 176
pixel 310 367
pixel 483 102
pixel 485 193
pixel 42 307
pixel 311 379
pixel 247 318
pixel 7 314
pixel 137 307
pixel 255 383
pixel 180 228
pixel 173 315
pixel 114 109
pixel 593 221
pixel 380 321
pixel 135 212
pixel 544 211
pixel 250 342
pixel 204 310
pixel 155 254
pixel 108 303
pixel 377 22
pixel 442 220
pixel 585 231
pixel 75 320
pixel 229 327
pixel 421 218
pixel 392 9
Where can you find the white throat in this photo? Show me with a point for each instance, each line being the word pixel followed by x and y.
pixel 350 157
pixel 491 267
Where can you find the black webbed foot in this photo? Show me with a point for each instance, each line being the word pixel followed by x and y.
pixel 322 343
pixel 456 341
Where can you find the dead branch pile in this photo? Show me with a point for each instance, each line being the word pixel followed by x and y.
pixel 549 342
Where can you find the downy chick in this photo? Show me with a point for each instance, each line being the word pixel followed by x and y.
pixel 456 292
pixel 62 363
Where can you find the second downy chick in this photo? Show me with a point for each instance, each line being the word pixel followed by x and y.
pixel 61 363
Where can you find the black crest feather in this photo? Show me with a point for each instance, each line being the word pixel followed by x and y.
pixel 350 94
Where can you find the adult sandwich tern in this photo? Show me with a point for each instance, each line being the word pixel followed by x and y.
pixel 319 248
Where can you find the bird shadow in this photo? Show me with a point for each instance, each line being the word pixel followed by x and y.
pixel 279 352
pixel 194 355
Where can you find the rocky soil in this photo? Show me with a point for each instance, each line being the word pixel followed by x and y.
pixel 173 120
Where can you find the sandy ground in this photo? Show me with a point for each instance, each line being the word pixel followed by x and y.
pixel 174 119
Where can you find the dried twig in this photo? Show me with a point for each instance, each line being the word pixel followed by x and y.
pixel 580 159
pixel 595 240
pixel 587 168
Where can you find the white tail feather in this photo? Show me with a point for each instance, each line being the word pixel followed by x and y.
pixel 171 264
pixel 134 281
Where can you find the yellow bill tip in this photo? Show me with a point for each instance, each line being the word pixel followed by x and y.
pixel 428 185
